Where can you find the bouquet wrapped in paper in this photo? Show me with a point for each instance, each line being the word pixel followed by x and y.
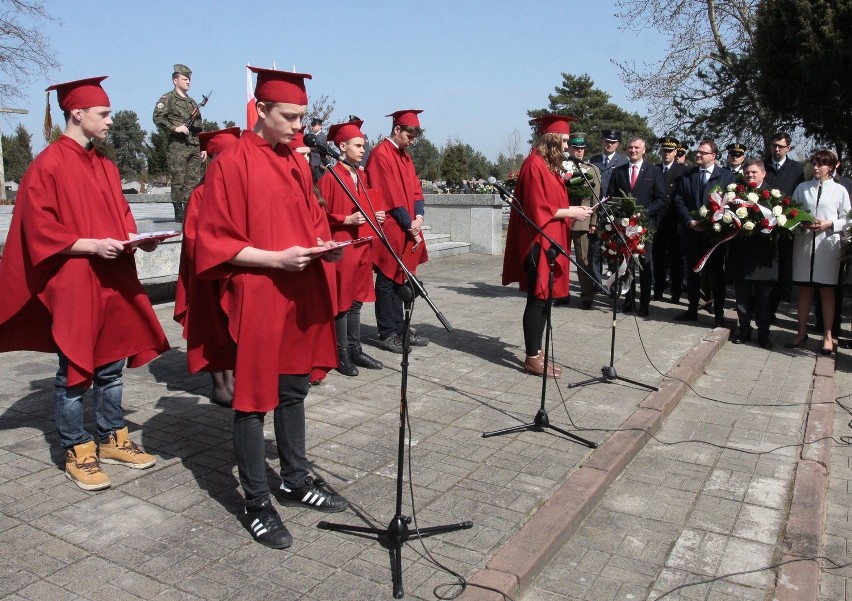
pixel 622 239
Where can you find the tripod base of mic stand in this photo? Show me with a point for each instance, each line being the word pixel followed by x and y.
pixel 608 374
pixel 393 538
pixel 540 424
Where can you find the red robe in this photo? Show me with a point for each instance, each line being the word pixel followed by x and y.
pixel 94 310
pixel 391 170
pixel 540 193
pixel 354 271
pixel 197 303
pixel 281 321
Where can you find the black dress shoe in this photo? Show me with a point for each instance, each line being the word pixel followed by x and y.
pixel 221 401
pixel 565 301
pixel 585 305
pixel 675 299
pixel 719 322
pixel 627 307
pixel 658 296
pixel 688 315
pixel 642 312
pixel 742 337
pixel 345 365
pixel 764 343
pixel 362 359
pixel 800 344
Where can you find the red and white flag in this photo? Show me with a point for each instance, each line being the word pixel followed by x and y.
pixel 251 109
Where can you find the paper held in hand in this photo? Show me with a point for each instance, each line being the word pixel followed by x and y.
pixel 148 237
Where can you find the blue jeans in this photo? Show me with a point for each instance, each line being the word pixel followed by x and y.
pixel 107 386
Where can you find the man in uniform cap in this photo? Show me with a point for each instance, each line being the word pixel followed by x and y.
pixel 71 286
pixel 185 157
pixel 680 155
pixel 736 157
pixel 581 230
pixel 391 170
pixel 606 161
pixel 316 162
pixel 668 253
pixel 264 237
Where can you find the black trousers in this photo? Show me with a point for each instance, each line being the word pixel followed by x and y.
pixel 389 314
pixel 754 302
pixel 668 255
pixel 644 272
pixel 250 445
pixel 694 248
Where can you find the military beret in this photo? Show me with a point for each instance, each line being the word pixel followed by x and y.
pixel 668 143
pixel 736 147
pixel 577 139
pixel 613 135
pixel 183 70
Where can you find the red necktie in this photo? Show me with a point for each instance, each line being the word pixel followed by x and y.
pixel 633 174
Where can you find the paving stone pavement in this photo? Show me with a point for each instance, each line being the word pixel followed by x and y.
pixel 171 532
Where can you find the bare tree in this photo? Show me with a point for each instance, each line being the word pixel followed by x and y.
pixel 705 84
pixel 24 50
pixel 321 108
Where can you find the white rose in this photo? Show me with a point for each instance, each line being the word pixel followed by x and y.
pixel 752 197
pixel 729 196
pixel 717 227
pixel 748 226
pixel 608 227
pixel 777 210
pixel 727 218
pixel 775 193
pixel 781 220
pixel 703 211
pixel 731 187
pixel 742 212
pixel 640 246
pixel 625 222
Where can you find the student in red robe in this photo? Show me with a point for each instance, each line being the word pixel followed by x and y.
pixel 195 299
pixel 391 170
pixel 354 272
pixel 544 198
pixel 264 237
pixel 70 285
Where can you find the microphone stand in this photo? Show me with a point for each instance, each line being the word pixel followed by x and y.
pixel 541 421
pixel 397 531
pixel 608 372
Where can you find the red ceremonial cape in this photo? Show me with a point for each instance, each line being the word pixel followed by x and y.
pixel 94 310
pixel 282 321
pixel 197 303
pixel 354 271
pixel 541 193
pixel 391 170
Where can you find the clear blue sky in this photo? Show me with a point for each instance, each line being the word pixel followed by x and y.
pixel 475 67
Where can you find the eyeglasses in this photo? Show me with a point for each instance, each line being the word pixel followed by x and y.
pixel 702 153
pixel 780 146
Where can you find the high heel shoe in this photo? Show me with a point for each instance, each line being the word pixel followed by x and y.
pixel 801 344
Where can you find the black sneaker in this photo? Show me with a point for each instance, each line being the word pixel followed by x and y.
pixel 313 495
pixel 266 527
pixel 392 344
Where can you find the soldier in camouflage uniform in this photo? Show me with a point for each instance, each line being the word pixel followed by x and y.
pixel 185 156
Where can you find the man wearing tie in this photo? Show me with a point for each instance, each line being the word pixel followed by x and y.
pixel 784 174
pixel 644 182
pixel 606 161
pixel 691 195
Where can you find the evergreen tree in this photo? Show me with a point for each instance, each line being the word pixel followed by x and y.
pixel 426 158
pixel 454 165
pixel 158 154
pixel 577 96
pixel 127 138
pixel 806 78
pixel 17 154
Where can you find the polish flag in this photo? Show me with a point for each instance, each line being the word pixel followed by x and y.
pixel 251 109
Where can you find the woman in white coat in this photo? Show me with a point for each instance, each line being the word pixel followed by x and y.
pixel 816 248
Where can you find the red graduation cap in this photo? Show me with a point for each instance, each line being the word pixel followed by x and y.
pixel 280 86
pixel 343 132
pixel 215 142
pixel 81 94
pixel 406 117
pixel 298 140
pixel 554 124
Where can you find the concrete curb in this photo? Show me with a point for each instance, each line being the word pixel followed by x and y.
pixel 799 581
pixel 514 567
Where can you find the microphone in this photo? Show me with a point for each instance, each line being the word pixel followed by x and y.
pixel 500 187
pixel 311 141
pixel 578 160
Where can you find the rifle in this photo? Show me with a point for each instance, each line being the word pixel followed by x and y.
pixel 197 109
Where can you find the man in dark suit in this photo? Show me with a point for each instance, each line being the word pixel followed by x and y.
pixel 643 181
pixel 785 174
pixel 606 161
pixel 667 245
pixel 695 185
